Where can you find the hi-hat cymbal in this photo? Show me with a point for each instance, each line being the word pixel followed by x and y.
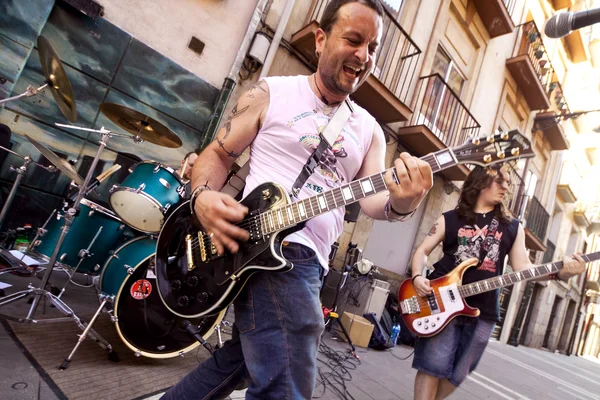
pixel 58 162
pixel 141 125
pixel 57 79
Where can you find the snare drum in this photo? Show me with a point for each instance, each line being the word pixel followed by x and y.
pixel 144 197
pixel 143 322
pixel 95 230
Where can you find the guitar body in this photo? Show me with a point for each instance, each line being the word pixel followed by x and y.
pixel 211 285
pixel 427 316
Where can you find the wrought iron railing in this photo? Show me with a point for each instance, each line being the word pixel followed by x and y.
pixel 533 46
pixel 536 217
pixel 397 55
pixel 549 253
pixel 510 6
pixel 517 190
pixel 441 110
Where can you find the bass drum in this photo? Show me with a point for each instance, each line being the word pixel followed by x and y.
pixel 143 322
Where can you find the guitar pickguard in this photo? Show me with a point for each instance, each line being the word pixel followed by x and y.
pixel 448 300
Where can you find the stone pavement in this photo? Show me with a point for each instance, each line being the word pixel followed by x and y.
pixel 505 372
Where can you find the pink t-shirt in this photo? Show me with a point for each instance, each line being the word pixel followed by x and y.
pixel 289 134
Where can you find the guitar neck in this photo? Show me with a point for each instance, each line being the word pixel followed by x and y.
pixel 496 282
pixel 283 217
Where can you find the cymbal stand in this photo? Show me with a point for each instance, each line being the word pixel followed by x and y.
pixel 41 291
pixel 31 91
pixel 21 172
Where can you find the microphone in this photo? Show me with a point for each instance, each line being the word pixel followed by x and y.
pixel 563 23
pixel 101 178
pixel 192 331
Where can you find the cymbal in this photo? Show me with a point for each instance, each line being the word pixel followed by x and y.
pixel 58 162
pixel 57 79
pixel 141 125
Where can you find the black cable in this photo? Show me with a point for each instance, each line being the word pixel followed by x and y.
pixel 334 371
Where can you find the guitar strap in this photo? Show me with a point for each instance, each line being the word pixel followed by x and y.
pixel 328 137
pixel 236 183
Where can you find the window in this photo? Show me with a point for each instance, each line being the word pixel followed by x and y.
pixel 442 98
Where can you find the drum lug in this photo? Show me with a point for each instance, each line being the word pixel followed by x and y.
pixel 113 188
pixel 156 169
pixel 138 354
pixel 97 267
pixel 165 183
pixel 165 208
pixel 181 354
pixel 41 231
pixel 83 253
pixel 129 269
pixel 62 257
pixel 140 188
pixel 114 319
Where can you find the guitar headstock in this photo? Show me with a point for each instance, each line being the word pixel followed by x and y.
pixel 494 149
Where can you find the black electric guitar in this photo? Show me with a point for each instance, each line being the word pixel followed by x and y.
pixel 193 280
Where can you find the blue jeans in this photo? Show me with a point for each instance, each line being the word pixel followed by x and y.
pixel 273 350
pixel 454 352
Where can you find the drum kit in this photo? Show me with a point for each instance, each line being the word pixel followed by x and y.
pixel 86 238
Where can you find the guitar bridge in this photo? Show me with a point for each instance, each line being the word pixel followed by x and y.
pixel 410 306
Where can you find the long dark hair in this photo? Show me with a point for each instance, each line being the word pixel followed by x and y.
pixel 480 178
pixel 330 15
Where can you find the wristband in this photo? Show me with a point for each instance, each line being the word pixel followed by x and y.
pixel 414 277
pixel 394 216
pixel 195 194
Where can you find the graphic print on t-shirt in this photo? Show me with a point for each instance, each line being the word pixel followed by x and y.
pixel 472 240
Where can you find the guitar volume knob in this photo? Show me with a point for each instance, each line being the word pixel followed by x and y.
pixel 203 297
pixel 176 285
pixel 183 301
pixel 192 281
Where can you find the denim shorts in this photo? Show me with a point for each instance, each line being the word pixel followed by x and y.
pixel 454 352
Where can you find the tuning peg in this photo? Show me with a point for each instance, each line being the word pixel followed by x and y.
pixel 515 151
pixel 487 158
pixel 504 136
pixel 475 141
pixel 501 154
pixel 491 139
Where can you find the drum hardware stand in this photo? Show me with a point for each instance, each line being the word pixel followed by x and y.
pixel 219 331
pixel 31 91
pixel 21 172
pixel 41 291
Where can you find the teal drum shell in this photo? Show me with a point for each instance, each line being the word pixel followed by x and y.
pixel 145 196
pixel 92 219
pixel 131 254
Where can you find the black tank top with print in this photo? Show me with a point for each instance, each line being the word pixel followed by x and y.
pixel 488 237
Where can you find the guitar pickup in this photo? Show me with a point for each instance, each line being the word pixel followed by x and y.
pixel 190 255
pixel 433 304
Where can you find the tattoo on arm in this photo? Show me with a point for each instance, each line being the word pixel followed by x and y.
pixel 257 86
pixel 433 230
pixel 234 114
pixel 231 154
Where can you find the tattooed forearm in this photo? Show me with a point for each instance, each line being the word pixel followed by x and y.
pixel 234 114
pixel 231 154
pixel 258 86
pixel 433 230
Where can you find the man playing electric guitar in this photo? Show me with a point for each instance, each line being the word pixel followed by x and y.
pixel 278 318
pixel 479 227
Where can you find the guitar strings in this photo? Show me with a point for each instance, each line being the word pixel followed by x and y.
pixel 247 223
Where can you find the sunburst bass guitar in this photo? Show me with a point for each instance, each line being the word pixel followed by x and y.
pixel 193 280
pixel 427 316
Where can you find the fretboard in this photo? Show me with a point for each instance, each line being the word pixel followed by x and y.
pixel 496 282
pixel 279 218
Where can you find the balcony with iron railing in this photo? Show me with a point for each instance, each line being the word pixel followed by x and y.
pixel 531 68
pixel 550 122
pixel 582 215
pixel 384 94
pixel 496 16
pixel 440 120
pixel 529 211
